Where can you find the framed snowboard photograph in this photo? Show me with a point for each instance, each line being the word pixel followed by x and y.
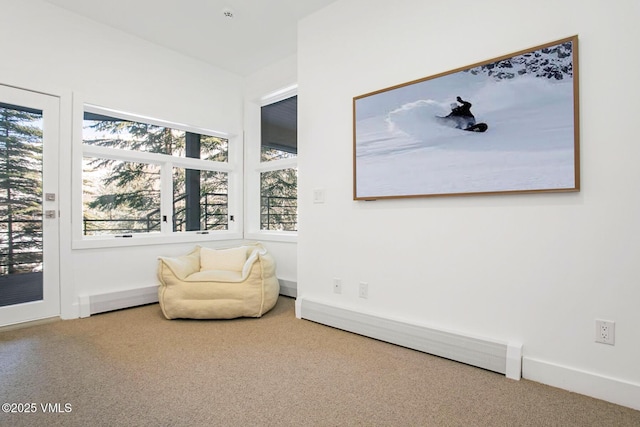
pixel 506 125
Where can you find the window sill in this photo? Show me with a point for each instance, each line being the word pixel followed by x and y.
pixel 152 239
pixel 273 236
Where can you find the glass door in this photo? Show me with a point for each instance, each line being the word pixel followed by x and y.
pixel 29 262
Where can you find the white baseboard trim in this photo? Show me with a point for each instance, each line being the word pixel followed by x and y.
pixel 600 387
pixel 100 303
pixel 485 353
pixel 288 288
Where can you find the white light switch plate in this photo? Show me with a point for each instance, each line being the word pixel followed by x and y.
pixel 318 196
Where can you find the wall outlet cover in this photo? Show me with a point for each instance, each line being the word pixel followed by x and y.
pixel 605 331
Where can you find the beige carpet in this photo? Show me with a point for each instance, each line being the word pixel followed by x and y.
pixel 134 368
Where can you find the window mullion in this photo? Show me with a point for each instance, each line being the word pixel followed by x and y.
pixel 277 164
pixel 166 198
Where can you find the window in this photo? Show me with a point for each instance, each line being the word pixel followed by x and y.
pixel 279 173
pixel 200 200
pixel 106 131
pixel 278 200
pixel 120 197
pixel 143 177
pixel 21 233
pixel 279 130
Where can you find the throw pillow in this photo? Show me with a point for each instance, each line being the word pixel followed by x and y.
pixel 223 259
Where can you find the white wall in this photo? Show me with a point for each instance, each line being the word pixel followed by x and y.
pixel 48 49
pixel 538 269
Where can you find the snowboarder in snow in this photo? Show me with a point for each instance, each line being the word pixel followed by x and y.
pixel 461 117
pixel 461 114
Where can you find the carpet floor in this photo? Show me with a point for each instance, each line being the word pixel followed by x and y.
pixel 135 368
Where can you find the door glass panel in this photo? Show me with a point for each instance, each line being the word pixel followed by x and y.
pixel 21 250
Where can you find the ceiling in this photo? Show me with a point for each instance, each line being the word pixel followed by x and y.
pixel 259 33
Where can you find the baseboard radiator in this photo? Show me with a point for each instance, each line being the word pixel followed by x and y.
pixel 288 288
pixel 100 303
pixel 493 355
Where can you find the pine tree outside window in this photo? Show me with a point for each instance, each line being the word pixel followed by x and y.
pixel 20 190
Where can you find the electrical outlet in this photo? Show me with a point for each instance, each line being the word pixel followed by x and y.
pixel 337 286
pixel 364 290
pixel 605 331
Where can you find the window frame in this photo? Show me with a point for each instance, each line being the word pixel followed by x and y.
pixel 254 167
pixel 166 235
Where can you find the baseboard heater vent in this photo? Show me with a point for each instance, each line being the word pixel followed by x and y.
pixel 497 356
pixel 100 303
pixel 288 288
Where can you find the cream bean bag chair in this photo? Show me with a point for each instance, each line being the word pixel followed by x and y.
pixel 218 283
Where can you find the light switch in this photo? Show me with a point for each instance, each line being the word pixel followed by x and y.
pixel 318 196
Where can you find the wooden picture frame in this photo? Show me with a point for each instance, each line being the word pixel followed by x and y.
pixel 417 139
